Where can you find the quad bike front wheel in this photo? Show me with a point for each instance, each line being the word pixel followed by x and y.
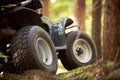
pixel 32 48
pixel 80 51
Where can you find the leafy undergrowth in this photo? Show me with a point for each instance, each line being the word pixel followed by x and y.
pixel 96 71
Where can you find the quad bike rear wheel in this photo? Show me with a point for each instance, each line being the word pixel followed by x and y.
pixel 80 51
pixel 32 48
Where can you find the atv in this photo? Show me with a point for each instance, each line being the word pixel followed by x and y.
pixel 33 41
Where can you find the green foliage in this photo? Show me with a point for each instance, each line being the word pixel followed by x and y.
pixel 88 16
pixel 111 65
pixel 4 57
pixel 65 8
pixel 76 74
pixel 61 8
pixel 84 76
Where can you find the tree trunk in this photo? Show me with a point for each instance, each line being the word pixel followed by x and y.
pixel 46 7
pixel 111 35
pixel 96 24
pixel 80 13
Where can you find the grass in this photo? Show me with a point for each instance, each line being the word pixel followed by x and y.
pixel 4 57
pixel 83 73
pixel 91 72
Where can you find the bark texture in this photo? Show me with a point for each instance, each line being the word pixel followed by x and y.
pixel 96 24
pixel 80 13
pixel 111 35
pixel 46 7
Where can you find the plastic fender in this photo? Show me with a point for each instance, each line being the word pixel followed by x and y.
pixel 22 17
pixel 57 32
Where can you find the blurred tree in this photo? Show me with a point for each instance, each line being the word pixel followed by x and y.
pixel 46 7
pixel 80 13
pixel 111 34
pixel 96 24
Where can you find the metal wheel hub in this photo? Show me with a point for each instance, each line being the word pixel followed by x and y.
pixel 79 51
pixel 82 50
pixel 44 51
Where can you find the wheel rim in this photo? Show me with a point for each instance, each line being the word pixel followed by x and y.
pixel 44 51
pixel 82 50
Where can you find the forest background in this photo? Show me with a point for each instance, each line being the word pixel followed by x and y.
pixel 101 20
